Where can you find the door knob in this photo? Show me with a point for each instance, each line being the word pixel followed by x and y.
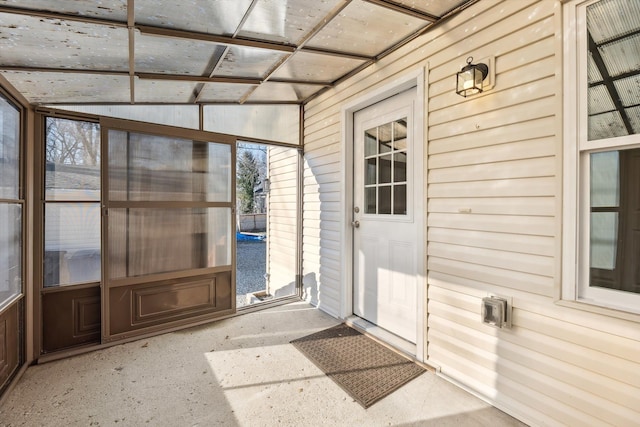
pixel 355 224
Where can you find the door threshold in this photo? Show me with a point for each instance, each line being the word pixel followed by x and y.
pixel 382 335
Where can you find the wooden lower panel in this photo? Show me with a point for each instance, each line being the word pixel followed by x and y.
pixel 9 344
pixel 136 307
pixel 70 318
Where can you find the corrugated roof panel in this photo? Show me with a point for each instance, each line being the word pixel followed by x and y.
pixel 173 56
pixel 606 125
pixel 634 118
pixel 622 56
pixel 164 91
pixel 40 88
pixel 593 74
pixel 316 67
pixel 612 18
pixel 220 17
pixel 43 42
pixel 285 22
pixel 104 9
pixel 600 100
pixel 629 90
pixel 243 61
pixel 223 92
pixel 366 28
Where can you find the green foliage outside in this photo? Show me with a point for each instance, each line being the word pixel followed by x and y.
pixel 248 176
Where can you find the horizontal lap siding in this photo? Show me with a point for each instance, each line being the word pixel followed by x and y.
pixel 282 221
pixel 493 185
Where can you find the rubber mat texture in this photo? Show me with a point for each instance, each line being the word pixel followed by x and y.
pixel 367 370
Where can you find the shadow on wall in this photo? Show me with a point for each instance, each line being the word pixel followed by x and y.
pixel 310 288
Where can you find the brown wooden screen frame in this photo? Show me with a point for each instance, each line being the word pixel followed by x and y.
pixel 161 280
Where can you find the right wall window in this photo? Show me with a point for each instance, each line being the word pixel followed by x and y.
pixel 602 154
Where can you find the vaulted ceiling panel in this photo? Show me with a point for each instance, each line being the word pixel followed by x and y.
pixel 282 92
pixel 155 91
pixel 103 9
pixel 366 28
pixel 60 88
pixel 200 51
pixel 286 22
pixel 165 55
pixel 316 67
pixel 240 61
pixel 224 92
pixel 45 42
pixel 220 17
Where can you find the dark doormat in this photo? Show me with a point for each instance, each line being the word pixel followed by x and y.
pixel 365 369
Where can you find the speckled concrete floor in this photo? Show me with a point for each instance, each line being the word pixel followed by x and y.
pixel 236 372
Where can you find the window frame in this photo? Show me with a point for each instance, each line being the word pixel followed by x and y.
pixel 576 174
pixel 20 198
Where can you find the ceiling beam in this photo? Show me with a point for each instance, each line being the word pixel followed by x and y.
pixel 200 79
pixel 387 4
pixel 161 76
pixel 223 40
pixel 336 53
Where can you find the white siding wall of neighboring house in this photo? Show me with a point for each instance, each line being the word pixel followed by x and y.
pixel 496 158
pixel 282 221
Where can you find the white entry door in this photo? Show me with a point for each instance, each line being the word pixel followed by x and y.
pixel 388 216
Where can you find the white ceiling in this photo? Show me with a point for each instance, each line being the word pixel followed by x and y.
pixel 200 51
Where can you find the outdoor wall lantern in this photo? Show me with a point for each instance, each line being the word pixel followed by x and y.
pixel 470 79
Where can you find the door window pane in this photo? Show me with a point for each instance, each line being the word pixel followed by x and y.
pixel 399 167
pixel 370 200
pixel 72 243
pixel 400 200
pixel 72 160
pixel 370 171
pixel 146 167
pixel 385 138
pixel 371 142
pixel 148 241
pixel 72 249
pixel 385 169
pixel 400 135
pixel 384 200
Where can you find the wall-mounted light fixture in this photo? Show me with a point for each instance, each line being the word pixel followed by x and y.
pixel 470 79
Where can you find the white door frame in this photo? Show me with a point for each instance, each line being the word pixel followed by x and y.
pixel 413 80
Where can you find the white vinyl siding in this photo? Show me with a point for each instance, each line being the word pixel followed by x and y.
pixel 494 220
pixel 282 221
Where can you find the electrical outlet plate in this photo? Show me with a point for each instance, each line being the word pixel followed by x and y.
pixel 496 311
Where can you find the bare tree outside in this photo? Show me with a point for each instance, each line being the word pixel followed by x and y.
pixel 72 142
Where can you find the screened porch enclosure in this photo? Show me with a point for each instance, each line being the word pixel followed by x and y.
pixel 139 226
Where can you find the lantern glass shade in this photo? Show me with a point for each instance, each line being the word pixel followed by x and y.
pixel 470 79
